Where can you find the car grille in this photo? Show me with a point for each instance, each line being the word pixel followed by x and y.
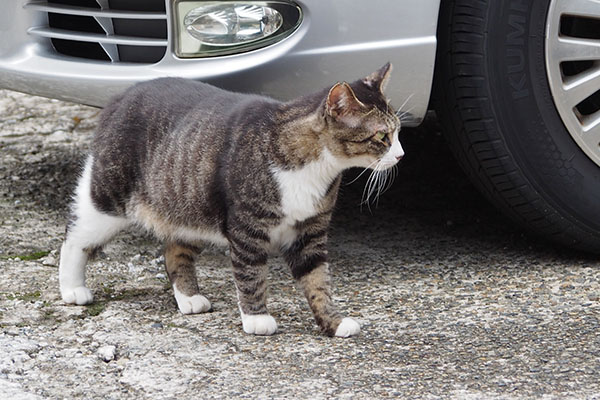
pixel 108 30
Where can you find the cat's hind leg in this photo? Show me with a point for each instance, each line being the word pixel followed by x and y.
pixel 179 263
pixel 87 230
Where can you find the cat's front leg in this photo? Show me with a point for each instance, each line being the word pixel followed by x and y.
pixel 307 259
pixel 249 261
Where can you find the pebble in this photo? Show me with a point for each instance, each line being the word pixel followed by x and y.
pixel 50 259
pixel 58 136
pixel 107 353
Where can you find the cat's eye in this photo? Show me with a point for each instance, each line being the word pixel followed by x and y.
pixel 380 135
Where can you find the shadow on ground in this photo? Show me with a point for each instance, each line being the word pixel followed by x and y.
pixel 430 193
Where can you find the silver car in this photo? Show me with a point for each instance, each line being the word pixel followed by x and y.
pixel 515 83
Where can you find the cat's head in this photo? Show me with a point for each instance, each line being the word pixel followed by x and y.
pixel 361 129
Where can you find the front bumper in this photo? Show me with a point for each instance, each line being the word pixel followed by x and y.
pixel 336 41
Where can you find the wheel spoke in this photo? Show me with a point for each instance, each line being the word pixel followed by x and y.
pixel 572 49
pixel 582 8
pixel 581 86
pixel 591 131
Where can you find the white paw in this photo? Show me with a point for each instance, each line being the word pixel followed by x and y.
pixel 191 304
pixel 79 295
pixel 262 324
pixel 348 327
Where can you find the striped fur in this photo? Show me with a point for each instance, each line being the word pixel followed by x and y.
pixel 194 163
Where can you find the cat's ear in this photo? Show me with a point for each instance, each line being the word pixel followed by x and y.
pixel 379 79
pixel 343 105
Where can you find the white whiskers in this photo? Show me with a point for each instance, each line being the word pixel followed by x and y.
pixel 401 114
pixel 379 181
pixel 361 174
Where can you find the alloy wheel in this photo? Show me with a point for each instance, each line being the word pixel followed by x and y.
pixel 572 55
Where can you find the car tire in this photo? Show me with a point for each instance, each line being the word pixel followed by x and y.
pixel 493 99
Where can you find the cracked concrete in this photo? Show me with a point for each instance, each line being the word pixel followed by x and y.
pixel 454 300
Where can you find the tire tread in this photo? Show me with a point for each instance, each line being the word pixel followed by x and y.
pixel 462 99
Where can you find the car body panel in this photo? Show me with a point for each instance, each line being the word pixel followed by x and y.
pixel 336 41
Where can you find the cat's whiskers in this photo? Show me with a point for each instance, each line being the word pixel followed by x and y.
pixel 373 184
pixel 377 189
pixel 390 178
pixel 382 186
pixel 404 114
pixel 405 102
pixel 363 171
pixel 400 113
pixel 367 190
pixel 380 181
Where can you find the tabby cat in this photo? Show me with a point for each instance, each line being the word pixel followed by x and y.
pixel 194 163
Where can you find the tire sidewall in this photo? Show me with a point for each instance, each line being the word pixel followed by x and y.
pixel 533 131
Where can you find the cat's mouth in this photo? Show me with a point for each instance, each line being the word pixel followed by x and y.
pixel 385 164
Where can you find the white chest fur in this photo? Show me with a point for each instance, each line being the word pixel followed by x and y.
pixel 301 191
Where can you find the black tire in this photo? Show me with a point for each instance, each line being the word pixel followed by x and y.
pixel 492 96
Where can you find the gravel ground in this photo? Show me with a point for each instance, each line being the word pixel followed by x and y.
pixel 454 300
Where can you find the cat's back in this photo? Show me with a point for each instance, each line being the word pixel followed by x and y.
pixel 161 103
pixel 138 124
pixel 150 111
pixel 176 94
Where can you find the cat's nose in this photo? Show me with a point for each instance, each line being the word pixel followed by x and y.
pixel 399 157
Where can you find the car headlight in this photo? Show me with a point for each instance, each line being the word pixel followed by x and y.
pixel 212 28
